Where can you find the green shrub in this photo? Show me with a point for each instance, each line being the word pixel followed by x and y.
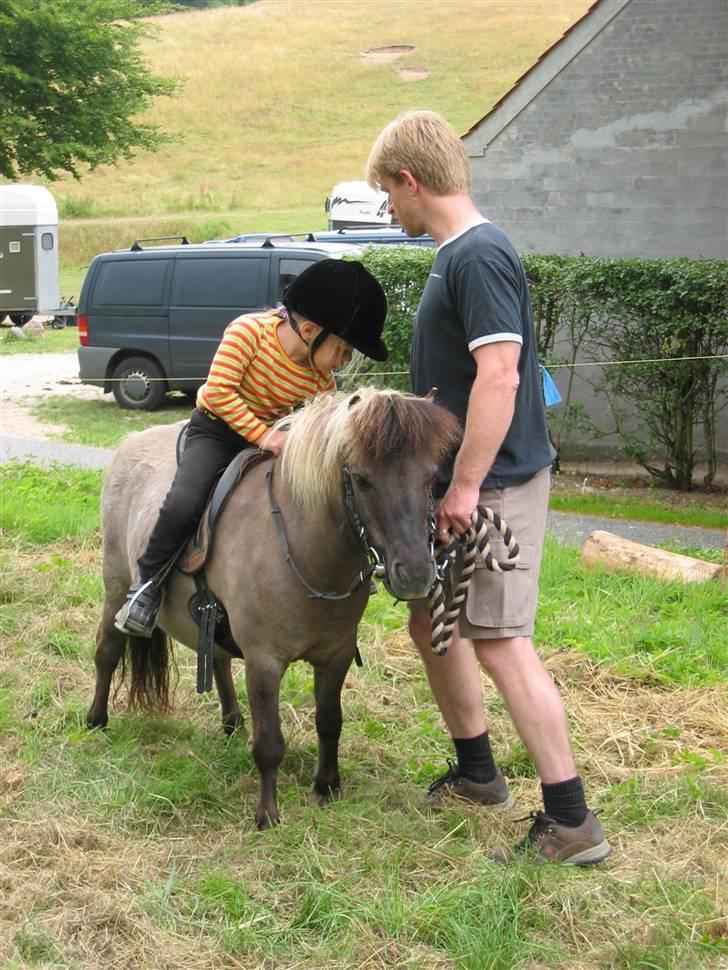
pixel 606 310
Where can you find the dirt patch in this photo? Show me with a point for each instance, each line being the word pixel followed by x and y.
pixel 414 74
pixel 384 55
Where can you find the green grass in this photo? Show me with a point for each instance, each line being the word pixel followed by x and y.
pixel 45 505
pixel 102 423
pixel 53 342
pixel 663 632
pixel 639 510
pixel 146 828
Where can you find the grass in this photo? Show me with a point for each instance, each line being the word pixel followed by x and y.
pixel 52 342
pixel 262 138
pixel 135 846
pixel 614 506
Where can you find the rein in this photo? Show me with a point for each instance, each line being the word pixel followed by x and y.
pixel 376 563
pixel 475 539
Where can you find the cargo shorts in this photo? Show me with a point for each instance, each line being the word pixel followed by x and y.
pixel 503 605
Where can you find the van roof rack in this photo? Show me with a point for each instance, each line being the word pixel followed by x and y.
pixel 136 246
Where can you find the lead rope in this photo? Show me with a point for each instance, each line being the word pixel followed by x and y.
pixel 474 540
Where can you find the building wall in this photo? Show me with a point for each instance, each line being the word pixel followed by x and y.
pixel 625 151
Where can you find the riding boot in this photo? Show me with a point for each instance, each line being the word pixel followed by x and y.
pixel 138 616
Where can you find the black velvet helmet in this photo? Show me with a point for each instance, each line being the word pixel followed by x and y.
pixel 343 298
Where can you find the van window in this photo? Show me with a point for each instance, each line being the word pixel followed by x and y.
pixel 133 282
pixel 289 270
pixel 219 281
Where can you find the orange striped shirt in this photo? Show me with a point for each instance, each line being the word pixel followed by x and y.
pixel 252 381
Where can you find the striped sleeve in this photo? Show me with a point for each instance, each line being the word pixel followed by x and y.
pixel 221 393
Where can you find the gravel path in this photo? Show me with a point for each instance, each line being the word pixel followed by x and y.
pixel 24 377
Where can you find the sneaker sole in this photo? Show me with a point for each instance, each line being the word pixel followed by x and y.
pixel 510 802
pixel 589 857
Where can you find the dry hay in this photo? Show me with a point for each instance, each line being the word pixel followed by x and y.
pixel 69 887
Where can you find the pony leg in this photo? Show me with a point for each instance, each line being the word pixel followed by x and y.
pixel 110 645
pixel 264 680
pixel 232 718
pixel 328 681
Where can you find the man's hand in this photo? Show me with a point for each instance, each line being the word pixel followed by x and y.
pixel 455 511
pixel 273 441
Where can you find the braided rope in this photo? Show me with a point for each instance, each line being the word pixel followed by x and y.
pixel 444 616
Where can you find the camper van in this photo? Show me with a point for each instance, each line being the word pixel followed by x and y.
pixel 358 206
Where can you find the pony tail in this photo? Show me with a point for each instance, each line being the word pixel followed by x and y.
pixel 149 673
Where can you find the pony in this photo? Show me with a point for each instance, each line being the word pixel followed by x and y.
pixel 353 483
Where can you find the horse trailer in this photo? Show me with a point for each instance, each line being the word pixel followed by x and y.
pixel 28 252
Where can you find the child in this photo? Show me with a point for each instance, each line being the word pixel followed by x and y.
pixel 266 363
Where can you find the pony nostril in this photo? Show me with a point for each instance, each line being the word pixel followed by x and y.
pixel 418 575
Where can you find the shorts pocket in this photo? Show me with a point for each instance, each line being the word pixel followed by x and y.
pixel 499 600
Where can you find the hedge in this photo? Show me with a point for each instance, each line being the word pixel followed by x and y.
pixel 673 313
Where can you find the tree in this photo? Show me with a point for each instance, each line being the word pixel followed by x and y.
pixel 73 84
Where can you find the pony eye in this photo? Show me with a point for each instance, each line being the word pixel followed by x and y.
pixel 362 483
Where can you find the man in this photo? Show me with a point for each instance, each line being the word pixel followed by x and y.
pixel 474 341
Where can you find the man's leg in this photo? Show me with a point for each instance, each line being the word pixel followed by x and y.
pixel 455 683
pixel 566 831
pixel 454 679
pixel 533 701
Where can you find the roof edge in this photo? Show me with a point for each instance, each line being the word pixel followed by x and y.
pixel 548 66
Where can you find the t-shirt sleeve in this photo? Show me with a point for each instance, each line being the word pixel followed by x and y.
pixel 489 302
pixel 221 393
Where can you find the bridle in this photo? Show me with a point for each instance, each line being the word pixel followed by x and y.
pixel 376 565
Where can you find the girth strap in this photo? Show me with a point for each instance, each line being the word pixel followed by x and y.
pixel 206 607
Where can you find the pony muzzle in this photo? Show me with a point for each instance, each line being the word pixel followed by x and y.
pixel 410 580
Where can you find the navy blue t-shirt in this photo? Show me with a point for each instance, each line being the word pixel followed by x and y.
pixel 477 294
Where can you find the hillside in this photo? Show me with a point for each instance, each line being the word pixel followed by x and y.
pixel 279 102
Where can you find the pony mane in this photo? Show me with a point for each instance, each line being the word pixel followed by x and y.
pixel 364 428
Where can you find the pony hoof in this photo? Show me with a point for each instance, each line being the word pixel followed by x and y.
pixel 232 724
pixel 265 822
pixel 326 796
pixel 96 724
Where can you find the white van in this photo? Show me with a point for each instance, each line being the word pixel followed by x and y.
pixel 358 206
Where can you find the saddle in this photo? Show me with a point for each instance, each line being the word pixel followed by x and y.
pixel 207 611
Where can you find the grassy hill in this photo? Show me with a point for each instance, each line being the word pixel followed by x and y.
pixel 278 103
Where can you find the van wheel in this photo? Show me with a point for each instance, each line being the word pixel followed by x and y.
pixel 138 384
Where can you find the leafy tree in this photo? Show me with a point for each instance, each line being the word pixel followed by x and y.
pixel 73 83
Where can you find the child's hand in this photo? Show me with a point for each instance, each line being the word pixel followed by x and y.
pixel 273 441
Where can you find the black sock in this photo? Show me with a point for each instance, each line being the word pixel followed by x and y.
pixel 565 801
pixel 475 759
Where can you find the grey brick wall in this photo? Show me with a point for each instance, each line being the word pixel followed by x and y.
pixel 625 151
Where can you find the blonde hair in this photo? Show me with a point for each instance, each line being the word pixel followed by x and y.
pixel 425 144
pixel 370 426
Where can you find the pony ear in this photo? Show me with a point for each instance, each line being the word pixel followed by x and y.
pixel 354 399
pixel 431 394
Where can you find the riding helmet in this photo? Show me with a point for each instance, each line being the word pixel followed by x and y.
pixel 343 298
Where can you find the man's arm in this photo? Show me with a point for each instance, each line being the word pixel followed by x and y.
pixel 490 412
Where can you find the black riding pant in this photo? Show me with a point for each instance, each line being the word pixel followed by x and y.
pixel 210 447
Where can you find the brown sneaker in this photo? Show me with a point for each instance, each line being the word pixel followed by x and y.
pixel 493 793
pixel 550 841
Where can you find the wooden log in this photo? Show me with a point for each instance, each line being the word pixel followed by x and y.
pixel 613 552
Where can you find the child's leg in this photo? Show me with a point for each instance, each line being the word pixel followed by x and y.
pixel 210 447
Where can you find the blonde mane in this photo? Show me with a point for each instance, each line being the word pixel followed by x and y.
pixel 369 426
